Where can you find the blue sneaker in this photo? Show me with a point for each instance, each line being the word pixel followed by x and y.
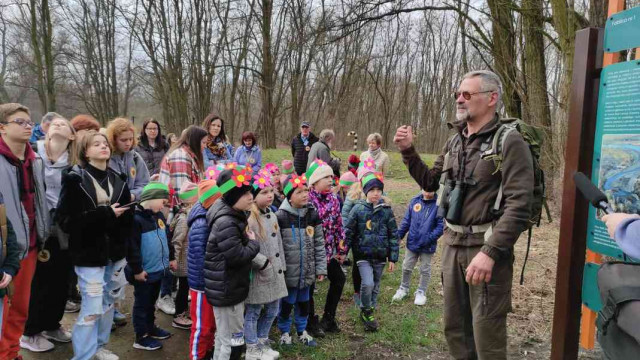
pixel 147 343
pixel 158 333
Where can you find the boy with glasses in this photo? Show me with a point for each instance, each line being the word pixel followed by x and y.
pixel 23 189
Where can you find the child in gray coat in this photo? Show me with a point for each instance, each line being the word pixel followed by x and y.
pixel 267 281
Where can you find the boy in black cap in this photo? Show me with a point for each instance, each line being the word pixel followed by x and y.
pixel 228 260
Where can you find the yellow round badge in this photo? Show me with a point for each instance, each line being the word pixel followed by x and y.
pixel 307 148
pixel 368 224
pixel 161 224
pixel 133 172
pixel 417 207
pixel 310 230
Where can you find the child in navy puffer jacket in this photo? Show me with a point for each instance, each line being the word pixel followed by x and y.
pixel 424 226
pixel 203 323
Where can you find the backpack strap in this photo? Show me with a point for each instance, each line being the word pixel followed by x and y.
pixel 495 153
pixel 615 298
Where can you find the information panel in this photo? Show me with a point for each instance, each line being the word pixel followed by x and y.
pixel 616 155
pixel 622 30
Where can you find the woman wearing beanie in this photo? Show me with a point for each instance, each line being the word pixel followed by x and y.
pixel 327 205
pixel 94 209
pixel 229 259
pixel 188 195
pixel 267 284
pixel 383 164
pixel 203 325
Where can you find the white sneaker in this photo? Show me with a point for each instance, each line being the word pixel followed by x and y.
pixel 285 339
pixel 307 339
pixel 104 354
pixel 400 294
pixel 59 335
pixel 265 344
pixel 255 352
pixel 166 305
pixel 36 343
pixel 421 298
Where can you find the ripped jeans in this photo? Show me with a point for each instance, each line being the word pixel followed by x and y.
pixel 100 287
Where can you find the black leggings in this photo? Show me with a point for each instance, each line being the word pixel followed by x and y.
pixel 182 297
pixel 336 285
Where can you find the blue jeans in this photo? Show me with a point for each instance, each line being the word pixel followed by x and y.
pixel 144 304
pixel 257 326
pixel 99 287
pixel 298 299
pixel 371 274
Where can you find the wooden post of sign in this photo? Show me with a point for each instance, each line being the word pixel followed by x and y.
pixel 588 320
pixel 575 209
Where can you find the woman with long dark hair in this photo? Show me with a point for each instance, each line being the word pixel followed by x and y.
pixel 152 146
pixel 182 163
pixel 218 149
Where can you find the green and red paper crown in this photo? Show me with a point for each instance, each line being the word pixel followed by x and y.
pixel 296 181
pixel 212 172
pixel 262 179
pixel 372 176
pixel 317 163
pixel 368 165
pixel 241 177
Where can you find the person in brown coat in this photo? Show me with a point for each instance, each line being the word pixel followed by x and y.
pixel 477 262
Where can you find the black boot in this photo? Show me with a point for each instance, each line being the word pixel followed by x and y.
pixel 370 323
pixel 313 327
pixel 329 324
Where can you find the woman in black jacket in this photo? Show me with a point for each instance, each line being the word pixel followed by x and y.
pixel 94 210
pixel 152 146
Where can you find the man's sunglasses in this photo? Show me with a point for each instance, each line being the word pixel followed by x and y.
pixel 467 95
pixel 22 122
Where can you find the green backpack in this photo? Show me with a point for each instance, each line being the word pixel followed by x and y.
pixel 534 137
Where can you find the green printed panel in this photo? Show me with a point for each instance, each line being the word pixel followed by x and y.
pixel 622 30
pixel 616 150
pixel 590 292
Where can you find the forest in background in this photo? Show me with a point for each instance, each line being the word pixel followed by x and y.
pixel 266 65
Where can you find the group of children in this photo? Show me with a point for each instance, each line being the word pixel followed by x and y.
pixel 247 247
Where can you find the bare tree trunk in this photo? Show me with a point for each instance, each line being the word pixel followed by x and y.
pixel 535 71
pixel 266 126
pixel 503 48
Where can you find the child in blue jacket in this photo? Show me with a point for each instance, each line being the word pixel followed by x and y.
pixel 149 258
pixel 424 226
